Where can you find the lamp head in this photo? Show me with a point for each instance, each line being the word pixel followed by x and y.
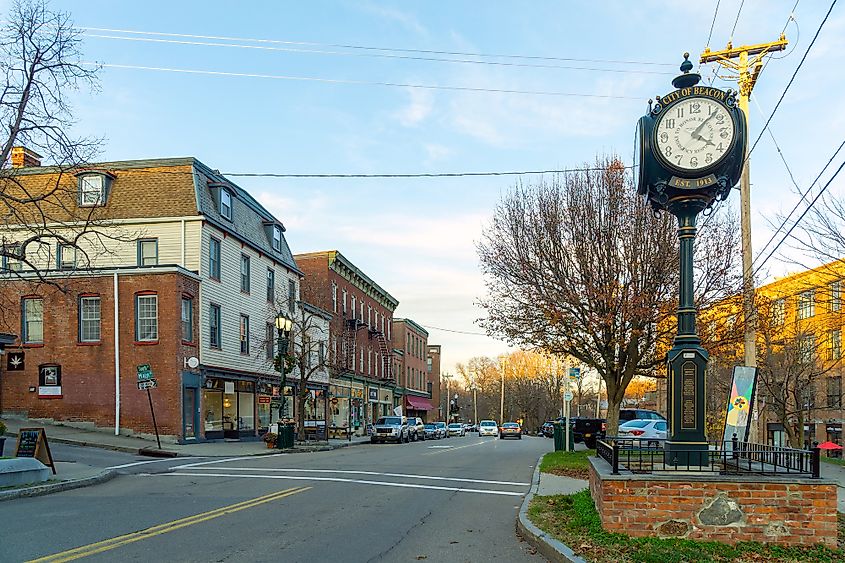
pixel 283 323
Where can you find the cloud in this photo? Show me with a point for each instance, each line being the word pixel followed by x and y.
pixel 295 214
pixel 436 152
pixel 405 19
pixel 420 107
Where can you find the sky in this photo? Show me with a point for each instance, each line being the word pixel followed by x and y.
pixel 307 93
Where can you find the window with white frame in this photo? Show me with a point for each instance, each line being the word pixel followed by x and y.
pixel 806 348
pixel 334 297
pixel 270 341
pixel 65 257
pixel 187 319
pixel 779 311
pixel 11 258
pixel 214 259
pixel 214 326
pixel 244 334
pixel 277 238
pixel 354 302
pixel 806 304
pixel 148 252
pixel 835 337
pixel 226 204
pixel 344 300
pixel 92 190
pixel 291 295
pixel 271 285
pixel 89 319
pixel 33 320
pixel 836 296
pixel 146 318
pixel 245 280
pixel 369 316
pixel 369 361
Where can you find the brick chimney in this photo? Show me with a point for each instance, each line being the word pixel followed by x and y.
pixel 22 157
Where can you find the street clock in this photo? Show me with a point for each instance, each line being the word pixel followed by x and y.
pixel 691 142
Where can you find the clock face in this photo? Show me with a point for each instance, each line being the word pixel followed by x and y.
pixel 694 134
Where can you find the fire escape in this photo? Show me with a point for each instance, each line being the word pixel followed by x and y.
pixel 384 350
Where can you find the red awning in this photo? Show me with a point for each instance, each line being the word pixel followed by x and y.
pixel 418 403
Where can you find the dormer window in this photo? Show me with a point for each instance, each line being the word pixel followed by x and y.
pixel 93 189
pixel 277 238
pixel 226 204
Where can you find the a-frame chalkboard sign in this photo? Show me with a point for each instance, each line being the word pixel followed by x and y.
pixel 32 442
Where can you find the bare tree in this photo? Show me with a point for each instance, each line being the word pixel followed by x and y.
pixel 40 61
pixel 792 362
pixel 581 266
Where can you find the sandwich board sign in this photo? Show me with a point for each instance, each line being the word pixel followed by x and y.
pixel 32 442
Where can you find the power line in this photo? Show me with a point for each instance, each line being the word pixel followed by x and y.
pixel 371 48
pixel 416 175
pixel 361 82
pixel 795 224
pixel 733 29
pixel 456 331
pixel 376 55
pixel 792 79
pixel 795 208
pixel 710 35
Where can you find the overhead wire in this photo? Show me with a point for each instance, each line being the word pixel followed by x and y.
pixel 361 82
pixel 803 214
pixel 371 48
pixel 375 55
pixel 795 207
pixel 738 12
pixel 713 23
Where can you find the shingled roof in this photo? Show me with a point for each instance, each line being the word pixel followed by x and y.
pixel 153 188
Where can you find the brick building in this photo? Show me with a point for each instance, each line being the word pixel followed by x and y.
pixel 188 266
pixel 362 381
pixel 413 390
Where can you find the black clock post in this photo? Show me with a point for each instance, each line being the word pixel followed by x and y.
pixel 692 146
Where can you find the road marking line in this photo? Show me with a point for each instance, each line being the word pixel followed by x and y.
pixel 458 448
pixel 435 447
pixel 148 461
pixel 224 460
pixel 112 543
pixel 375 473
pixel 342 480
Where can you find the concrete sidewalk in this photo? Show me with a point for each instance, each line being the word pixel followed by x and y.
pixel 836 472
pixel 99 439
pixel 69 475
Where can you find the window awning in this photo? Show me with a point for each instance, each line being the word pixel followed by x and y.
pixel 418 403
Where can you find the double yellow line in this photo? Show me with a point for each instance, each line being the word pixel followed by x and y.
pixel 106 545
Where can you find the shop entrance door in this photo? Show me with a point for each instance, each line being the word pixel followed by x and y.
pixel 189 414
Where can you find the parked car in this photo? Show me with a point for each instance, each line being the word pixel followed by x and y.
pixel 644 431
pixel 416 428
pixel 488 428
pixel 639 414
pixel 510 430
pixel 441 427
pixel 432 432
pixel 548 429
pixel 456 429
pixel 391 428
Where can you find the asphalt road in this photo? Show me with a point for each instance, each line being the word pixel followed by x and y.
pixel 445 500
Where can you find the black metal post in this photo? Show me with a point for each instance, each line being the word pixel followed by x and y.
pixel 153 412
pixel 816 462
pixel 281 363
pixel 615 458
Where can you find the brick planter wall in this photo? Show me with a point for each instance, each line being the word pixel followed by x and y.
pixel 730 509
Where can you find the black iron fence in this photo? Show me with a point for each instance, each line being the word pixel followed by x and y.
pixel 730 457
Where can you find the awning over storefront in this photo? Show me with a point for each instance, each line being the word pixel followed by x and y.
pixel 417 403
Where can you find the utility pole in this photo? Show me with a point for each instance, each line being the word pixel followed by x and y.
pixel 745 70
pixel 448 378
pixel 502 403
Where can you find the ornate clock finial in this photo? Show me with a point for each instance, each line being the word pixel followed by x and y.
pixel 686 79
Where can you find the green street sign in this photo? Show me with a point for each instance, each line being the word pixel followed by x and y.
pixel 145 372
pixel 574 373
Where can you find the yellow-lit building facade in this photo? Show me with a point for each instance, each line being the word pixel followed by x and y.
pixel 799 351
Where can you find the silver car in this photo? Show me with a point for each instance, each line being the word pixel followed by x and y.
pixel 391 429
pixel 455 429
pixel 416 428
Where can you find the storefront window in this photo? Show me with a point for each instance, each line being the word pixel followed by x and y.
pixel 264 411
pixel 212 402
pixel 230 411
pixel 246 408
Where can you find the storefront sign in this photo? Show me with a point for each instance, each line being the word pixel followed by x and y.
pixel 32 442
pixel 373 394
pixel 264 400
pixel 228 386
pixel 15 361
pixel 50 381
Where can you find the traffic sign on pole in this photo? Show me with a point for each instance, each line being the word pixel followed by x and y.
pixel 567 396
pixel 574 373
pixel 147 384
pixel 145 372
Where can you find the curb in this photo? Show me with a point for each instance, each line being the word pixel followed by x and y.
pixel 551 548
pixel 136 451
pixel 38 490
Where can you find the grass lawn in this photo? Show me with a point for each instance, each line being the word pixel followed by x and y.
pixel 573 520
pixel 570 464
pixel 833 460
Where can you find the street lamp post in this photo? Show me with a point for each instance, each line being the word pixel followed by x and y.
pixel 475 403
pixel 283 327
pixel 448 378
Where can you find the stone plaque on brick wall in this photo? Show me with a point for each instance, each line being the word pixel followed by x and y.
pixel 688 396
